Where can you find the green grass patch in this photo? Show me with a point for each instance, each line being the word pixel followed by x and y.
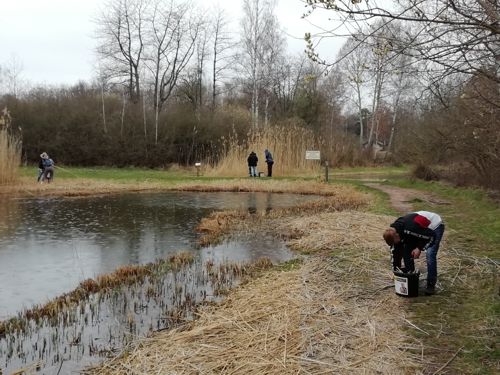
pixel 380 200
pixel 290 265
pixel 389 170
pixel 470 213
pixel 464 317
pixel 116 174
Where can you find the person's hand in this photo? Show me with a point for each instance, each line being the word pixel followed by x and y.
pixel 415 254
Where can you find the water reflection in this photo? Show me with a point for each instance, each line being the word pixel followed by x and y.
pixel 47 246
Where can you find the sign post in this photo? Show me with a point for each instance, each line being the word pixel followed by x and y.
pixel 316 155
pixel 313 155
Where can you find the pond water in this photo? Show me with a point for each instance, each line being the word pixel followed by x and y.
pixel 48 246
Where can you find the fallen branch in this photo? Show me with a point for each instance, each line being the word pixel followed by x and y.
pixel 449 361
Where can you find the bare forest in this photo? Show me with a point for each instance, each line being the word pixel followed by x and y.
pixel 415 81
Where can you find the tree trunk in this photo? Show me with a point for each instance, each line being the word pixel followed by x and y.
pixel 123 115
pixel 105 128
pixel 144 118
pixel 360 108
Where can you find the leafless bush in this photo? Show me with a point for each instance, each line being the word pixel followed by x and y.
pixel 424 172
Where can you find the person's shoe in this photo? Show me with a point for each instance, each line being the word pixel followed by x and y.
pixel 430 290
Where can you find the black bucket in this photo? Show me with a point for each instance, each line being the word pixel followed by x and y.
pixel 406 284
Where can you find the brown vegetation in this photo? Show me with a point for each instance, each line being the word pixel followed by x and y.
pixel 310 318
pixel 125 275
pixel 334 198
pixel 10 157
pixel 288 146
pixel 335 313
pixel 84 187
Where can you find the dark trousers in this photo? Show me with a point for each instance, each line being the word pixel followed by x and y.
pixel 269 169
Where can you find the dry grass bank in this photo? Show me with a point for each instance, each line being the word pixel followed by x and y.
pixel 336 313
pixel 333 314
pixel 26 186
pixel 335 198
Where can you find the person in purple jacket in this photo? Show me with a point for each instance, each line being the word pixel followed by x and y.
pixel 411 234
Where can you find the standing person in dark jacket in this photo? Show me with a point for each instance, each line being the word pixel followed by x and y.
pixel 269 161
pixel 252 164
pixel 40 168
pixel 409 235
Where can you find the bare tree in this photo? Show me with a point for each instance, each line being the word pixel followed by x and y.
pixel 258 23
pixel 172 41
pixel 221 44
pixel 401 83
pixel 378 61
pixel 201 56
pixel 121 42
pixel 288 73
pixel 102 81
pixel 11 75
pixel 333 88
pixel 354 66
pixel 451 36
pixel 274 49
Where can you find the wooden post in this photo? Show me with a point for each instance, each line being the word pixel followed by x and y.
pixel 326 170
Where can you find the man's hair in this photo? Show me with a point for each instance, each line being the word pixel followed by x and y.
pixel 389 236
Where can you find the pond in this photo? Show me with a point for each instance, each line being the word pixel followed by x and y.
pixel 48 246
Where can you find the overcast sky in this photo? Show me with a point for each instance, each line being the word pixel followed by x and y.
pixel 53 39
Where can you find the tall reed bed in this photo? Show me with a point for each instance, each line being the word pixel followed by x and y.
pixel 10 157
pixel 288 146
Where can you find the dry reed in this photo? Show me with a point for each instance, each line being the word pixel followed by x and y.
pixel 10 157
pixel 336 198
pixel 86 187
pixel 331 315
pixel 336 314
pixel 288 146
pixel 126 275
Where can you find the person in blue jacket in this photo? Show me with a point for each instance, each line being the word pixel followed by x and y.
pixel 48 168
pixel 269 162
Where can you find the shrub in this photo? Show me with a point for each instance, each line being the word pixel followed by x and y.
pixel 424 172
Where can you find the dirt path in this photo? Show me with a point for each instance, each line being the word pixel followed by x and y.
pixel 402 199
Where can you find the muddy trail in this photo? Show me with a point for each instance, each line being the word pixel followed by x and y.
pixel 402 199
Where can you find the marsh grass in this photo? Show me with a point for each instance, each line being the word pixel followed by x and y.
pixel 288 146
pixel 305 318
pixel 10 157
pixel 126 275
pixel 332 198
